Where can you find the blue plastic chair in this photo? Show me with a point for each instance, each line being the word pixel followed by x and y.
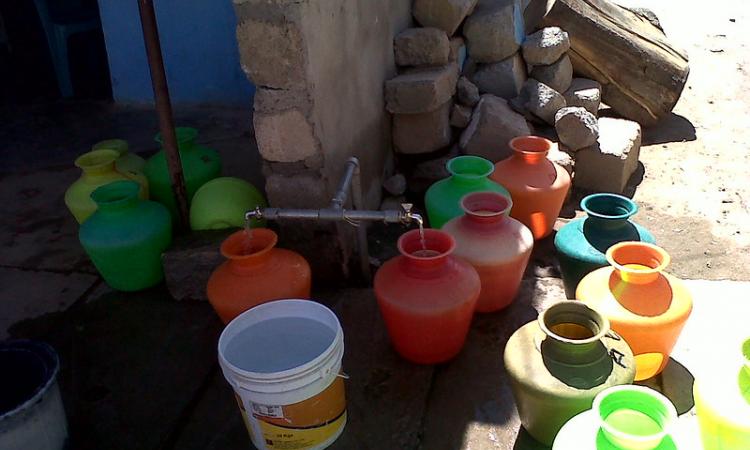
pixel 62 19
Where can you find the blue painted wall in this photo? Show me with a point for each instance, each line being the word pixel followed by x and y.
pixel 199 48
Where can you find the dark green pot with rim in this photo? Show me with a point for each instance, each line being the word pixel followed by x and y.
pixel 199 165
pixel 468 174
pixel 582 244
pixel 126 237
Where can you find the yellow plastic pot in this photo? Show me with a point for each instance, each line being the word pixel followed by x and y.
pixel 127 162
pixel 222 203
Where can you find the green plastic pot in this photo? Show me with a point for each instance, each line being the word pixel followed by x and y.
pixel 468 174
pixel 222 203
pixel 622 418
pixel 126 236
pixel 199 166
pixel 582 244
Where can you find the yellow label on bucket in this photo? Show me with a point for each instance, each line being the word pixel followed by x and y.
pixel 307 424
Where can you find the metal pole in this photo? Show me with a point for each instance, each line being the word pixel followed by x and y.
pixel 163 106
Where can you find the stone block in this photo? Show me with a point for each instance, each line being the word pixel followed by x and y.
pixel 303 190
pixel 607 165
pixel 584 93
pixel 467 92
pixel 460 116
pixel 457 52
pixel 503 79
pixel 421 91
pixel 444 14
pixel 421 47
pixel 576 128
pixel 189 262
pixel 423 133
pixel 272 54
pixel 492 126
pixel 285 136
pixel 395 185
pixel 557 75
pixel 545 46
pixel 561 158
pixel 541 100
pixel 495 30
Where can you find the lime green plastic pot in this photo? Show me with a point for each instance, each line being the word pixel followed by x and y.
pixel 222 203
pixel 468 174
pixel 127 162
pixel 199 166
pixel 126 236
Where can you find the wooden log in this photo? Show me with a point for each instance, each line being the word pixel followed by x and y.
pixel 641 72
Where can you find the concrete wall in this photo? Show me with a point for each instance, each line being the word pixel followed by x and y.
pixel 198 44
pixel 320 67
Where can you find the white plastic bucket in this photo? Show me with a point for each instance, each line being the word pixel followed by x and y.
pixel 31 409
pixel 283 360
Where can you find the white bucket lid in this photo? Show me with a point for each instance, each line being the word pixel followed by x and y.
pixel 295 384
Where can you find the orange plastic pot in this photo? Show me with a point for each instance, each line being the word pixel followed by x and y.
pixel 645 305
pixel 427 297
pixel 537 186
pixel 496 245
pixel 256 272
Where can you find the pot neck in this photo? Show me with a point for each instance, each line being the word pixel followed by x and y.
pixel 486 209
pixel 530 150
pixel 573 333
pixel 608 212
pixel 117 197
pixel 249 253
pixel 428 257
pixel 638 262
pixel 97 163
pixel 469 171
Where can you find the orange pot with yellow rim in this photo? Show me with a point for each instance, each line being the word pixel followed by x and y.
pixel 645 305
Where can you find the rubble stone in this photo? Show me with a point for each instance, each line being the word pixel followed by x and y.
pixel 424 132
pixel 467 92
pixel 421 90
pixel 457 52
pixel 493 124
pixel 561 158
pixel 460 116
pixel 607 165
pixel 557 75
pixel 395 185
pixel 576 128
pixel 444 14
pixel 428 172
pixel 584 93
pixel 545 46
pixel 421 47
pixel 541 100
pixel 285 137
pixel 495 30
pixel 189 262
pixel 504 78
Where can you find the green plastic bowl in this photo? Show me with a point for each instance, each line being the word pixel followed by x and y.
pixel 222 203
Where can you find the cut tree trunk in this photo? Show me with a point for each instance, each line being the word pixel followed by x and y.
pixel 641 72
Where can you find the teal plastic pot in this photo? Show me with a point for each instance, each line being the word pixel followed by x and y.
pixel 222 203
pixel 468 174
pixel 582 244
pixel 199 166
pixel 622 418
pixel 126 236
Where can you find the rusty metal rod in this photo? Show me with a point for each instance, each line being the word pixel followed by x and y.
pixel 163 107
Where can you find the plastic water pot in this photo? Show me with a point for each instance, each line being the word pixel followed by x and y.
pixel 222 203
pixel 644 304
pixel 127 162
pixel 32 416
pixel 537 186
pixel 496 245
pixel 582 244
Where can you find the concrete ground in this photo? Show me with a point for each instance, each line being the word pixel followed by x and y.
pixel 140 371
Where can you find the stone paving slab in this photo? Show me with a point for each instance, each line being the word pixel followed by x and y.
pixel 37 231
pixel 27 294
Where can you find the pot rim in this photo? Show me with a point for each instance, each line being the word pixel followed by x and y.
pixel 574 307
